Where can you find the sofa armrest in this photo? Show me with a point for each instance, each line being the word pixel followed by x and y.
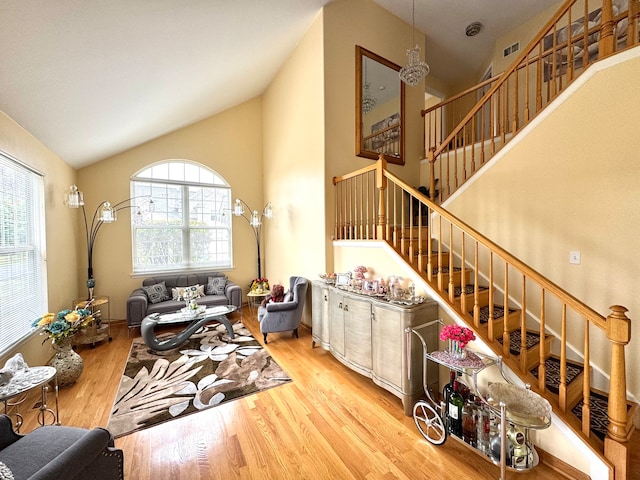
pixel 137 304
pixel 76 457
pixel 7 434
pixel 233 292
pixel 281 306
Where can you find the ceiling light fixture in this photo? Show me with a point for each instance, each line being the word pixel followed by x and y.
pixel 415 70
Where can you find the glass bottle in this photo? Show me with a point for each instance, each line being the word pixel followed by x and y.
pixel 454 411
pixel 482 426
pixel 446 395
pixel 469 428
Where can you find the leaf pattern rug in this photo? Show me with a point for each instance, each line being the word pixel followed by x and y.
pixel 207 370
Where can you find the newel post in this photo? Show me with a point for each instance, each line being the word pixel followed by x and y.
pixel 615 443
pixel 606 45
pixel 381 184
pixel 432 173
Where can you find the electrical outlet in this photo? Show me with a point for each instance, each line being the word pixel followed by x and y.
pixel 574 257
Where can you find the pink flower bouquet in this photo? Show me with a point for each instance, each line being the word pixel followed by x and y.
pixel 462 335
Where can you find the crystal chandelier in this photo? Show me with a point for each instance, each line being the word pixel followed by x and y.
pixel 415 70
pixel 368 100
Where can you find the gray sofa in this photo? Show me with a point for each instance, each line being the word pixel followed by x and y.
pixel 139 303
pixel 59 453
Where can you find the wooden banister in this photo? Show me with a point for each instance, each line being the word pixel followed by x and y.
pixel 462 133
pixel 374 196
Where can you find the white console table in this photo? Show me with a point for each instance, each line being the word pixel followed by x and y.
pixel 367 334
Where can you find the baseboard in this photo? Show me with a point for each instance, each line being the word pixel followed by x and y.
pixel 561 467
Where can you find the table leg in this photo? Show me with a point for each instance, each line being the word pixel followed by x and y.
pixel 42 414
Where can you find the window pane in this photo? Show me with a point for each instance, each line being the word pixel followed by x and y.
pixel 23 296
pixel 190 224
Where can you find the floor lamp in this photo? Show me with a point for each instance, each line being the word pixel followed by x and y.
pixel 104 213
pixel 255 221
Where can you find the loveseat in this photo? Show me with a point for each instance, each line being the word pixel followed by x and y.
pixel 58 453
pixel 158 294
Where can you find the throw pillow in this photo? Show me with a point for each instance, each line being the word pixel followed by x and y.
pixel 215 285
pixel 157 293
pixel 179 292
pixel 5 473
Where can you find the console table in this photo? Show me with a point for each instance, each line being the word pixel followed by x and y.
pixel 367 334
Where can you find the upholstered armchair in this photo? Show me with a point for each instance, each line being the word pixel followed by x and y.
pixel 57 452
pixel 284 316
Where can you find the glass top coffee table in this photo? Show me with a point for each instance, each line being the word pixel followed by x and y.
pixel 210 314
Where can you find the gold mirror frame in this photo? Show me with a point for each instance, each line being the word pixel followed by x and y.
pixel 379 130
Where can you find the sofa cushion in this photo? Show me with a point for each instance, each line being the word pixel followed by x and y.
pixel 178 293
pixel 215 285
pixel 5 472
pixel 157 293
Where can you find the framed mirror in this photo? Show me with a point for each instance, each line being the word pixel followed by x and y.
pixel 379 108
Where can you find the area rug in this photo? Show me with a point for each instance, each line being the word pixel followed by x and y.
pixel 206 371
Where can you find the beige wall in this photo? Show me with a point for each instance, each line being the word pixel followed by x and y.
pixel 61 223
pixel 572 183
pixel 294 163
pixel 229 143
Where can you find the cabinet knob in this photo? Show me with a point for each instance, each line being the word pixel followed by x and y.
pixel 346 308
pixel 340 305
pixel 326 298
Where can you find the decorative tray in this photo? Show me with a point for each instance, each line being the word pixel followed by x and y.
pixel 524 407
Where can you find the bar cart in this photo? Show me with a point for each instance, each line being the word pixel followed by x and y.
pixel 518 409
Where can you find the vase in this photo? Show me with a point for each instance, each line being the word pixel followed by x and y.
pixel 456 351
pixel 67 362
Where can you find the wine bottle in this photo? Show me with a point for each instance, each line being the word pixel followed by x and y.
pixel 454 411
pixel 446 394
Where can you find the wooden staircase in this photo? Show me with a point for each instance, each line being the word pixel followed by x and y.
pixel 517 312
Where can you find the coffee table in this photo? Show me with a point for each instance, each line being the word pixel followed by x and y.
pixel 211 314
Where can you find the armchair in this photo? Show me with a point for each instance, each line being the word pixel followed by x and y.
pixel 284 316
pixel 57 452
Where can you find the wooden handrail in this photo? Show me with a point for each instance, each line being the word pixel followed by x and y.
pixel 514 97
pixel 372 203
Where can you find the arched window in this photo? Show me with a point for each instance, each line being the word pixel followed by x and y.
pixel 188 226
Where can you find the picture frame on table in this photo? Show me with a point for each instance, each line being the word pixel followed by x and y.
pixel 370 287
pixel 343 279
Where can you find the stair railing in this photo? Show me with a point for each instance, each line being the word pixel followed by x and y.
pixel 373 204
pixel 497 109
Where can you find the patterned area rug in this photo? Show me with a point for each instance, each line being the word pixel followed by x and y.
pixel 515 341
pixel 208 370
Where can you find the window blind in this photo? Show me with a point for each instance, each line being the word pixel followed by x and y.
pixel 23 291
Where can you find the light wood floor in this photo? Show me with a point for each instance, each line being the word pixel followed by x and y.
pixel 329 423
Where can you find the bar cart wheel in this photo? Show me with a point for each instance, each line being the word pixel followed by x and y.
pixel 429 422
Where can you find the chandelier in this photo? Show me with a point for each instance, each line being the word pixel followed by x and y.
pixel 415 70
pixel 368 100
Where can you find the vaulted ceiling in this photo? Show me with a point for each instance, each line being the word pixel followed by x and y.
pixel 93 78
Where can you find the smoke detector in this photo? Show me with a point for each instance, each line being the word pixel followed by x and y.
pixel 473 29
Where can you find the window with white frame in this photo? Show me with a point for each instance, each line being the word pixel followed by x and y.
pixel 23 289
pixel 188 226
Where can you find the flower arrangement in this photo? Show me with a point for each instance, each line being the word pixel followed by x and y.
pixel 260 285
pixel 359 271
pixel 64 324
pixel 462 335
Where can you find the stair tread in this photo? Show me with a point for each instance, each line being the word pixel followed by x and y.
pixel 515 340
pixel 468 290
pixel 498 312
pixel 552 373
pixel 599 418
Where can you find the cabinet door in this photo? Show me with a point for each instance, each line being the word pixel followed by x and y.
pixel 357 327
pixel 320 313
pixel 387 338
pixel 336 322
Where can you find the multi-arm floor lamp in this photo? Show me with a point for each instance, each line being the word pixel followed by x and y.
pixel 104 213
pixel 255 221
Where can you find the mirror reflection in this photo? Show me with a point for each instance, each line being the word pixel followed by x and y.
pixel 379 108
